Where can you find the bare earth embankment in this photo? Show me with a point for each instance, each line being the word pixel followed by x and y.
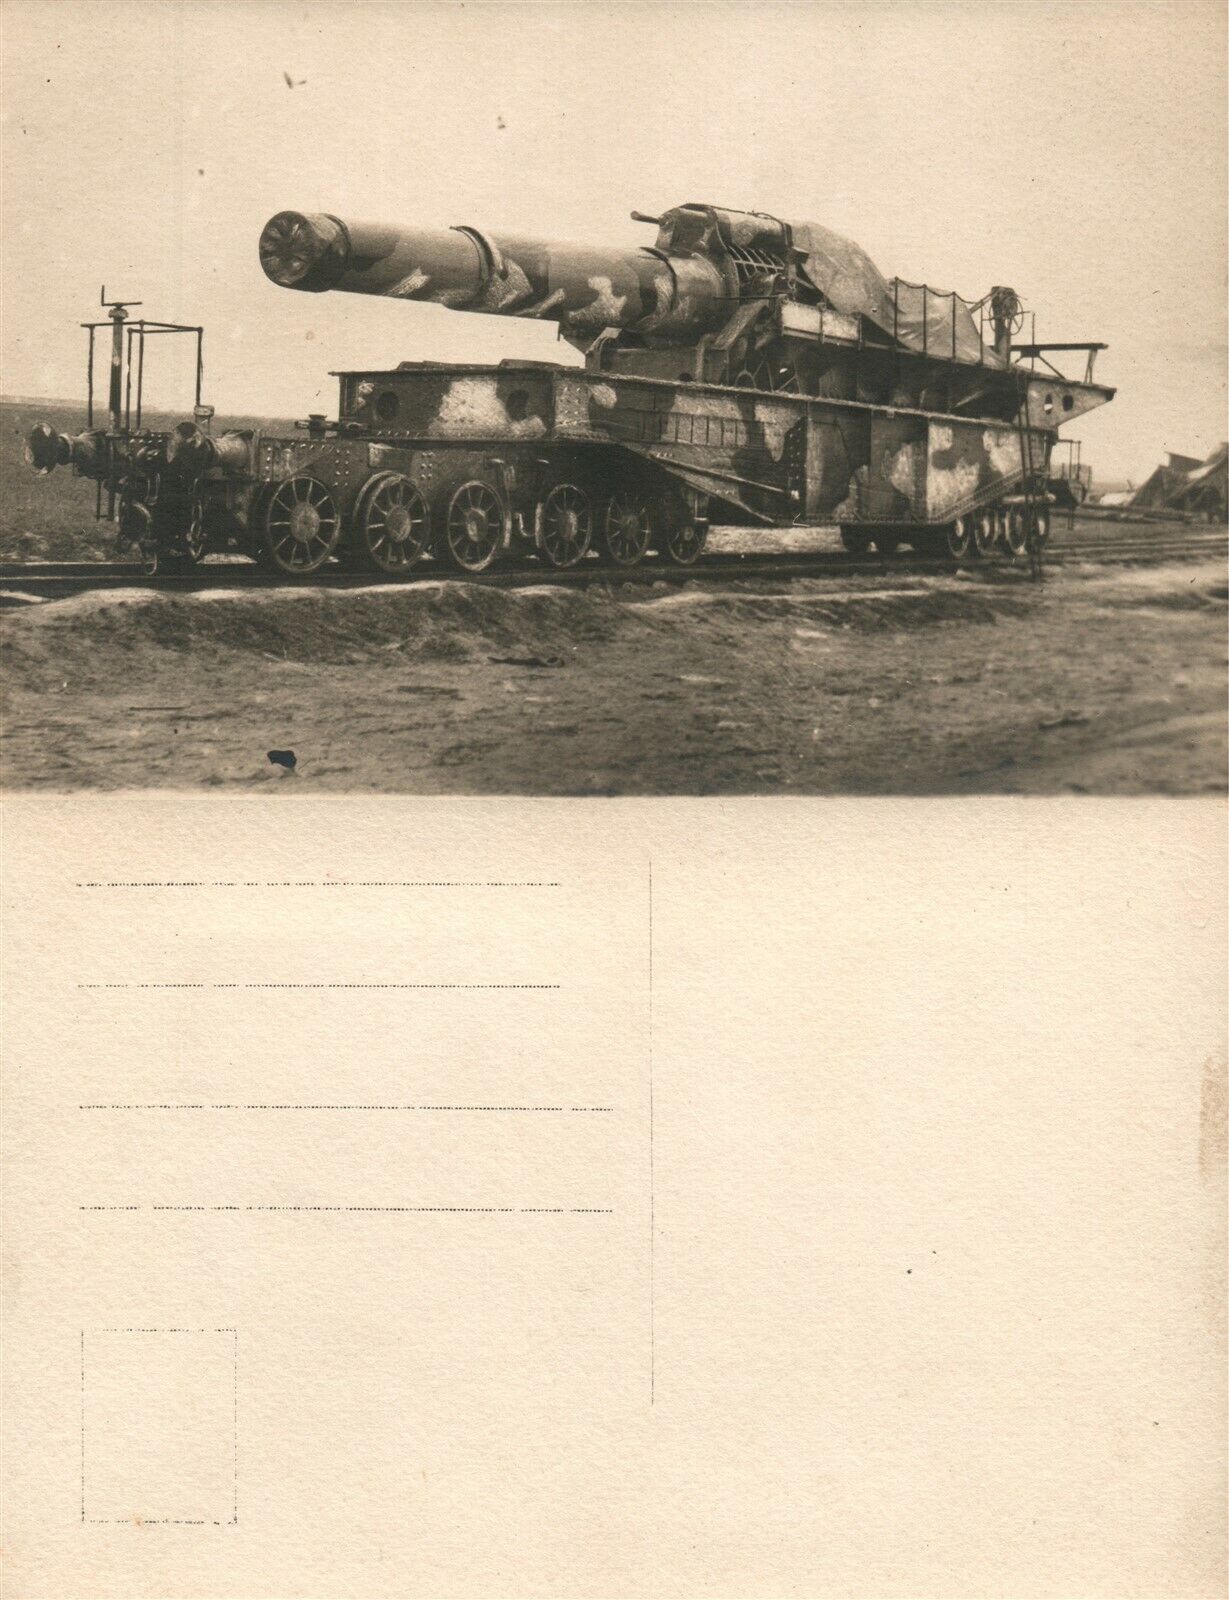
pixel 1102 680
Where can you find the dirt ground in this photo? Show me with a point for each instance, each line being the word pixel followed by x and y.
pixel 1100 680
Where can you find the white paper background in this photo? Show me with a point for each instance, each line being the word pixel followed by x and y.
pixel 933 1304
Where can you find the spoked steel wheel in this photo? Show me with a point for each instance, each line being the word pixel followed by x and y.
pixel 188 550
pixel 300 526
pixel 196 535
pixel 960 537
pixel 565 524
pixel 627 526
pixel 1028 530
pixel 985 532
pixel 391 527
pixel 474 526
pixel 136 526
pixel 1017 531
pixel 686 531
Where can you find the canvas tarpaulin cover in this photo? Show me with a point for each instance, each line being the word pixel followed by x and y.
pixel 924 319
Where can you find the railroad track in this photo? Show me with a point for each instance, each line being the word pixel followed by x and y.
pixel 59 579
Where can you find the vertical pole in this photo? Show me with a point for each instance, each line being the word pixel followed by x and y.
pixel 128 385
pixel 115 395
pixel 925 319
pixel 89 382
pixel 140 370
pixel 1078 485
pixel 200 362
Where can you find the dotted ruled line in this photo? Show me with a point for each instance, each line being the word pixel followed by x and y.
pixel 107 1105
pixel 652 1160
pixel 524 1211
pixel 318 986
pixel 322 883
pixel 156 1522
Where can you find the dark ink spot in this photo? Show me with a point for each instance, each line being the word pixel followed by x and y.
pixel 282 758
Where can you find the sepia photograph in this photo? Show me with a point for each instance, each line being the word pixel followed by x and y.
pixel 613 883
pixel 383 413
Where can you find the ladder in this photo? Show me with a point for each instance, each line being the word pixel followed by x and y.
pixel 1030 502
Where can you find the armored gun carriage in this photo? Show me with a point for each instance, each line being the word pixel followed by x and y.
pixel 740 368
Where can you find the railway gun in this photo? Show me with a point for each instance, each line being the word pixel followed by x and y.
pixel 741 369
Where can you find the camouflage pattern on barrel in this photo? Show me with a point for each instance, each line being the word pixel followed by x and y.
pixel 581 287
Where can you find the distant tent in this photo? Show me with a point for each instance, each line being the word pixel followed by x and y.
pixel 1185 483
pixel 1153 494
pixel 1207 487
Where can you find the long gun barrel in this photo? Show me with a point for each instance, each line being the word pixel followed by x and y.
pixel 582 288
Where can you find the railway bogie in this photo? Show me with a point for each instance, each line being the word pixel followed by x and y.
pixel 563 467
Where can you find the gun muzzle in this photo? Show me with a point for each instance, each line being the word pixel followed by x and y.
pixel 582 288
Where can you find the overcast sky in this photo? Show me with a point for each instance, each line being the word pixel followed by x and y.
pixel 1075 151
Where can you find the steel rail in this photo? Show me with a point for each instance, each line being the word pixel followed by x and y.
pixel 61 579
